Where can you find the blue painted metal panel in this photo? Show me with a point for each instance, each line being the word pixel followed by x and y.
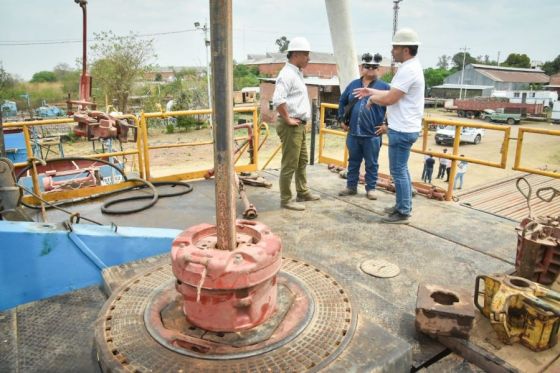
pixel 15 147
pixel 40 260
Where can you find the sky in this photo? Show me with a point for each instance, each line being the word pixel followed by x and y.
pixel 28 28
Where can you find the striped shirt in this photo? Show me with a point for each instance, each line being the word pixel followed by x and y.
pixel 291 90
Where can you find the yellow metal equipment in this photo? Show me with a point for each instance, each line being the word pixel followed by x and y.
pixel 520 310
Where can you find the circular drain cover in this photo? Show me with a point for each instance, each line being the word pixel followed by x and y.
pixel 317 323
pixel 380 268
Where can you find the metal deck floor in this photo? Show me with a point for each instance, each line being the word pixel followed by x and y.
pixel 444 244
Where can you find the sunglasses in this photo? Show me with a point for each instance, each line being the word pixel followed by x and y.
pixel 369 67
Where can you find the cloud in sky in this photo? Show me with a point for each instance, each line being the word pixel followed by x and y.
pixel 444 26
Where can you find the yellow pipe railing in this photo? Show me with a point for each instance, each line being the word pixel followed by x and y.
pixel 454 157
pixel 199 173
pixel 57 195
pixel 517 163
pixel 325 131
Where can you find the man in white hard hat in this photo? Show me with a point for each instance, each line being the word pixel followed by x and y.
pixel 292 103
pixel 405 108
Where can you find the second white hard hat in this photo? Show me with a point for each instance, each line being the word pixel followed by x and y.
pixel 406 36
pixel 299 44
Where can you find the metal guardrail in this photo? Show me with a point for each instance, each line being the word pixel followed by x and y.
pixel 198 173
pixel 518 151
pixel 454 156
pixel 142 151
pixel 68 194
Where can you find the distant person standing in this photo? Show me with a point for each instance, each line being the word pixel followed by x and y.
pixel 361 121
pixel 461 171
pixel 292 103
pixel 429 169
pixel 405 108
pixel 442 166
pixel 424 168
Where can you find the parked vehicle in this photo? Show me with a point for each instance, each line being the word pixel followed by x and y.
pixel 446 135
pixel 555 115
pixel 499 115
pixel 473 108
pixel 9 109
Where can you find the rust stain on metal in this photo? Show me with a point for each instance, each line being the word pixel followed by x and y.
pixel 444 311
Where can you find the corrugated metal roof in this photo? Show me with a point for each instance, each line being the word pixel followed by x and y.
pixel 463 86
pixel 503 198
pixel 505 68
pixel 512 74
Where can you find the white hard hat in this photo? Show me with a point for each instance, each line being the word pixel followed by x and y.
pixel 299 44
pixel 406 36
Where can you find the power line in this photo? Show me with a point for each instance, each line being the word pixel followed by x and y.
pixel 6 43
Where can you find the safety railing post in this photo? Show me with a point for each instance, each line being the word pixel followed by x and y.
pixel 256 136
pixel 144 125
pixel 453 171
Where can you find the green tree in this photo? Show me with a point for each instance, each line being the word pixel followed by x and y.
pixel 282 43
pixel 388 76
pixel 43 76
pixel 245 76
pixel 435 77
pixel 517 60
pixel 7 83
pixel 69 77
pixel 119 61
pixel 457 60
pixel 552 67
pixel 443 62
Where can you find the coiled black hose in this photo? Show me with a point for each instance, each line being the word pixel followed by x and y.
pixel 153 197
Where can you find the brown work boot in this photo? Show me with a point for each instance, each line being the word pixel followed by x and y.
pixel 293 206
pixel 307 197
pixel 347 192
pixel 371 194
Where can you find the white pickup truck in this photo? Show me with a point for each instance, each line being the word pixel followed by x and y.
pixel 446 135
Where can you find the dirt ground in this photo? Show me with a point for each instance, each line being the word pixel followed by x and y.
pixel 539 151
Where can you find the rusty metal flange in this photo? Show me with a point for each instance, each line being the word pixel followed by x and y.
pixel 316 338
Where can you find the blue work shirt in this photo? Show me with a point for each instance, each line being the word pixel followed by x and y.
pixel 362 120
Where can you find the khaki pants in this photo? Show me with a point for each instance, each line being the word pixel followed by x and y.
pixel 294 159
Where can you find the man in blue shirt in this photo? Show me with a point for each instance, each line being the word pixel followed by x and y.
pixel 362 123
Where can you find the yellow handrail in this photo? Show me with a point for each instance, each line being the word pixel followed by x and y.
pixel 518 151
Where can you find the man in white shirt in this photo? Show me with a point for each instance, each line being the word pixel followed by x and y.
pixel 294 111
pixel 405 108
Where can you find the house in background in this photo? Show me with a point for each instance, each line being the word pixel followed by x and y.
pixel 554 84
pixel 320 77
pixel 321 89
pixel 321 65
pixel 498 77
pixel 466 91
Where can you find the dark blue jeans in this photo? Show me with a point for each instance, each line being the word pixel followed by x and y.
pixel 366 148
pixel 400 144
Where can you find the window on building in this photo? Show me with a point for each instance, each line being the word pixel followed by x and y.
pixel 516 94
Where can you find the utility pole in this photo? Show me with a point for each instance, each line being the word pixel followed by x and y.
pixel 498 60
pixel 205 29
pixel 395 25
pixel 465 49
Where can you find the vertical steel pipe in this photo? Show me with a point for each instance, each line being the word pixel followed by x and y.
pixel 222 111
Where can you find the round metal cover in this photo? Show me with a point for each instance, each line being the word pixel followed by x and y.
pixel 380 268
pixel 123 342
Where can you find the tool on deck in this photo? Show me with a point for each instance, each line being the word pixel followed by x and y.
pixel 519 310
pixel 538 240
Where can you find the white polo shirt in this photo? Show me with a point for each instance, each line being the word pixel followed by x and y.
pixel 406 114
pixel 291 90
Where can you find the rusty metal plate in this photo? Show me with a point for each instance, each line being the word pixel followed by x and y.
pixel 380 268
pixel 123 342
